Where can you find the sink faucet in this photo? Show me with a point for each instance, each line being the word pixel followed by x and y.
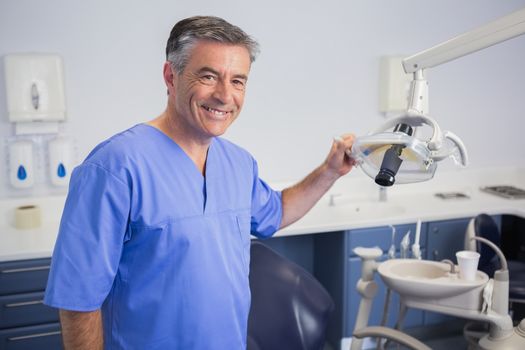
pixel 452 266
pixel 331 201
pixel 382 194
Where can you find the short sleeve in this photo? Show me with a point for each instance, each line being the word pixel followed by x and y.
pixel 90 240
pixel 266 207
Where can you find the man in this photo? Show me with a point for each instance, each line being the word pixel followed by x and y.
pixel 154 242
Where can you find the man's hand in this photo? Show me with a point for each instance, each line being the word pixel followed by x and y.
pixel 338 161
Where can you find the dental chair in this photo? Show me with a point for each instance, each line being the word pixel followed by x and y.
pixel 484 226
pixel 290 308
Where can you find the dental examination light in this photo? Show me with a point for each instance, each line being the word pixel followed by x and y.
pixel 399 156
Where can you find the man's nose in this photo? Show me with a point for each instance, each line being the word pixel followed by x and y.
pixel 223 92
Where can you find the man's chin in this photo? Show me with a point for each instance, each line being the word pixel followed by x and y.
pixel 216 130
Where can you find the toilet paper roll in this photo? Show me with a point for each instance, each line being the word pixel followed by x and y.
pixel 28 217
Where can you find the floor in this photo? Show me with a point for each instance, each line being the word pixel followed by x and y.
pixel 448 343
pixel 443 343
pixel 444 337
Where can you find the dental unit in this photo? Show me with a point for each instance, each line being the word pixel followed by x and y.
pixel 401 156
pixel 435 286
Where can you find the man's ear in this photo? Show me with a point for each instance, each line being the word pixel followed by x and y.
pixel 169 77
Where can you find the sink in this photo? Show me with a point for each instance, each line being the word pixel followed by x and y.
pixel 426 279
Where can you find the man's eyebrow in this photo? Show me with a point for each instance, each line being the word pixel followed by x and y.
pixel 241 76
pixel 213 71
pixel 207 70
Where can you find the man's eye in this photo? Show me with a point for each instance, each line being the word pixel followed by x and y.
pixel 239 83
pixel 208 78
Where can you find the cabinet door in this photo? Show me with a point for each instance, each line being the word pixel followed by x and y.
pixel 299 249
pixel 444 239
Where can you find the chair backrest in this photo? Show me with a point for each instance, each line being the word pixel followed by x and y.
pixel 290 308
pixel 483 225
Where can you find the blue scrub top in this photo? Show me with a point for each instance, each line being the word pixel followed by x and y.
pixel 161 249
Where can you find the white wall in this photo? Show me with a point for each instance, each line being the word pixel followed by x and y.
pixel 317 75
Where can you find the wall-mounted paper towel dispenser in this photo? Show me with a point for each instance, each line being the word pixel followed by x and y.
pixel 35 87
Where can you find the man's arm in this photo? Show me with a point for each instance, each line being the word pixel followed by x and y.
pixel 300 198
pixel 82 330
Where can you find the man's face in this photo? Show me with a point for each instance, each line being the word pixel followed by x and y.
pixel 208 95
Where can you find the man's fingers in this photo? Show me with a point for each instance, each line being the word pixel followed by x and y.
pixel 345 141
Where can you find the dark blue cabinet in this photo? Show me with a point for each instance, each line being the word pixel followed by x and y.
pixel 25 322
pixel 445 238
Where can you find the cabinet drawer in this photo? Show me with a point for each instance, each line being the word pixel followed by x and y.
pixel 45 336
pixel 23 276
pixel 25 309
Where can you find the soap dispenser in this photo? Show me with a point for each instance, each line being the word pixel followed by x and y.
pixel 60 160
pixel 21 167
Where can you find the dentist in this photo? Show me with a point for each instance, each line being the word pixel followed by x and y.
pixel 154 243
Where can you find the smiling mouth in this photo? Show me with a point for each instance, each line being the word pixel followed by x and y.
pixel 216 112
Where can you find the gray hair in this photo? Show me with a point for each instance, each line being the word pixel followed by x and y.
pixel 187 32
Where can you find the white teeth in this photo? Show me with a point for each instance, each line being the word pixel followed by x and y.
pixel 214 111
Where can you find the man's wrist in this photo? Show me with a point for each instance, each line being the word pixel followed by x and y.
pixel 328 174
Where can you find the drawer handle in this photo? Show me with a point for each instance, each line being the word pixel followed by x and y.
pixel 25 303
pixel 26 269
pixel 37 335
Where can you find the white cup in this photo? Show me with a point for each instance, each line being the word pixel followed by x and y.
pixel 468 264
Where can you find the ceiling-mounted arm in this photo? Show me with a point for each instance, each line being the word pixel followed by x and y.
pixel 492 33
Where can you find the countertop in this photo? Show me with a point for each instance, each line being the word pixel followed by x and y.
pixel 352 203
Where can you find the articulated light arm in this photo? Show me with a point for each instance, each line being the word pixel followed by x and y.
pixel 406 155
pixel 492 33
